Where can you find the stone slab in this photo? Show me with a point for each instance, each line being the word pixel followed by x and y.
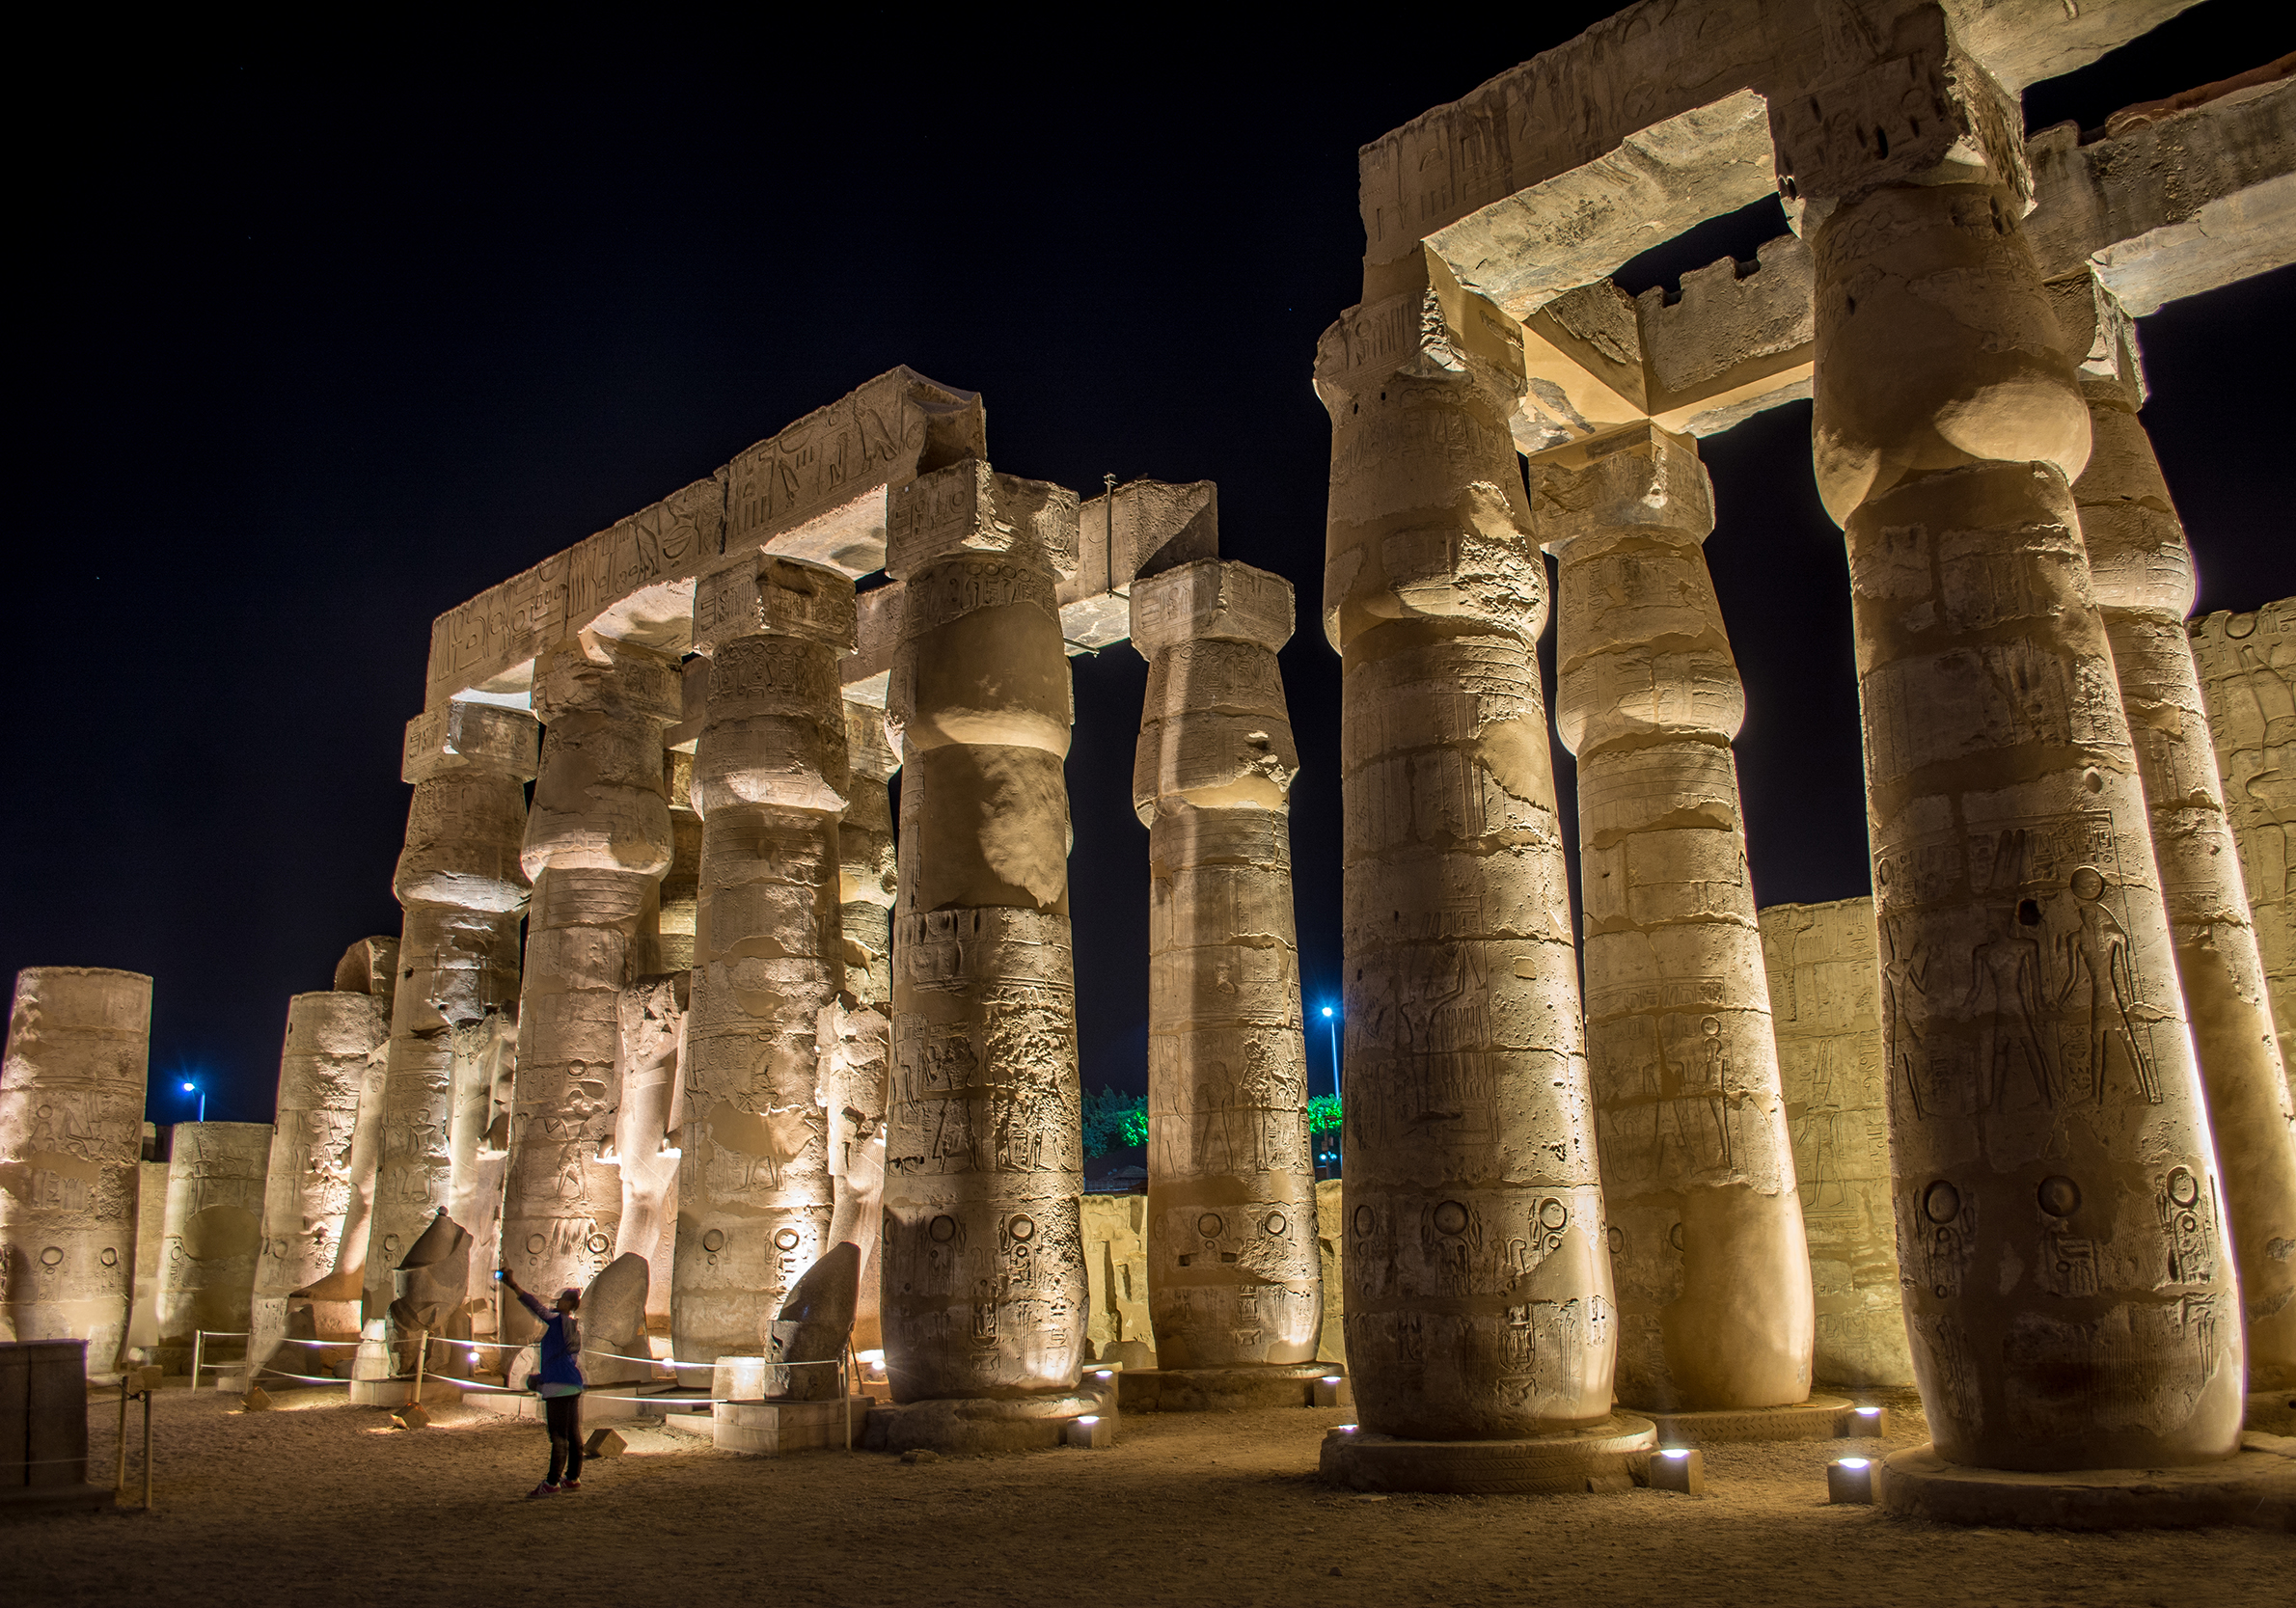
pixel 771 1429
pixel 1820 1418
pixel 2257 1488
pixel 1597 1457
pixel 1026 1424
pixel 1276 1384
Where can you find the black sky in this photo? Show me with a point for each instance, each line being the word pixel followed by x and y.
pixel 311 351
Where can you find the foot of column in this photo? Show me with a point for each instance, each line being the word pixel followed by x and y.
pixel 1820 1418
pixel 1026 1424
pixel 2257 1487
pixel 2273 1413
pixel 1273 1384
pixel 1594 1457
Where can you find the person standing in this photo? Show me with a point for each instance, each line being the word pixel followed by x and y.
pixel 559 1383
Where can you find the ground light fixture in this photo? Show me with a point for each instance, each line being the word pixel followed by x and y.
pixel 1868 1422
pixel 1849 1480
pixel 1093 1432
pixel 1332 1391
pixel 1679 1468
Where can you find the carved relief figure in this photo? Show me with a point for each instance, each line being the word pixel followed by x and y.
pixel 2100 948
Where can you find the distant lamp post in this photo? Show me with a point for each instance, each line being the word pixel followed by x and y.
pixel 194 1088
pixel 1331 1018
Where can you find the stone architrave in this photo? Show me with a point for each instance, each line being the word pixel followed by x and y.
pixel 332 1043
pixel 213 1233
pixel 2142 573
pixel 770 775
pixel 1706 1236
pixel 2247 674
pixel 462 887
pixel 1233 1275
pixel 646 1135
pixel 597 841
pixel 984 1285
pixel 1825 1009
pixel 1478 1291
pixel 72 1128
pixel 854 1070
pixel 2070 1292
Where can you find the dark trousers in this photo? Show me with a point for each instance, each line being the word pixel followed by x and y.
pixel 563 1416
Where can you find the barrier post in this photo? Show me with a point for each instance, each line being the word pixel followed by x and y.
pixel 148 1451
pixel 199 1345
pixel 422 1356
pixel 120 1482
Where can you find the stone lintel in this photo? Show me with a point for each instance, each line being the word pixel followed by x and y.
pixel 1145 528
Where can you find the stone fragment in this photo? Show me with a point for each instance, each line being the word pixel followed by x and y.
pixel 71 1118
pixel 814 1326
pixel 431 1286
pixel 613 1315
pixel 214 1233
pixel 604 1443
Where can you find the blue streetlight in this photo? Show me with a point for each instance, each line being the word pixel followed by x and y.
pixel 193 1088
pixel 1334 1020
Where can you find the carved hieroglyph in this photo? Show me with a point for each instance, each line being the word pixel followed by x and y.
pixel 335 1041
pixel 769 780
pixel 2248 673
pixel 72 1127
pixel 1825 1009
pixel 2069 1288
pixel 462 887
pixel 984 1285
pixel 597 841
pixel 1233 1275
pixel 856 1071
pixel 213 1233
pixel 1478 1286
pixel 1705 1232
pixel 2141 572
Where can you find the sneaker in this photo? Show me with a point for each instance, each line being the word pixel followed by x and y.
pixel 545 1489
pixel 569 1484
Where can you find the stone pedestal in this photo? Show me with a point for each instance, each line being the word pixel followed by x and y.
pixel 771 1429
pixel 979 1424
pixel 1593 1456
pixel 2255 1488
pixel 984 1281
pixel 214 1233
pixel 72 1127
pixel 1478 1283
pixel 1706 1233
pixel 2069 1288
pixel 770 776
pixel 597 841
pixel 1814 1418
pixel 1267 1384
pixel 463 889
pixel 1232 1277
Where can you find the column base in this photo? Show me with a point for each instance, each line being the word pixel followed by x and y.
pixel 1820 1418
pixel 1271 1384
pixel 1022 1424
pixel 2271 1412
pixel 1596 1458
pixel 770 1429
pixel 2255 1486
pixel 397 1393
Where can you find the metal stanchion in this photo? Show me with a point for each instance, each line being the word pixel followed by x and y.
pixel 148 1451
pixel 422 1356
pixel 199 1345
pixel 120 1485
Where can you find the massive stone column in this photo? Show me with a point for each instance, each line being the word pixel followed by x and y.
pixel 1825 1008
pixel 72 1128
pixel 597 841
pixel 2070 1299
pixel 462 887
pixel 1233 1275
pixel 1706 1228
pixel 769 780
pixel 213 1231
pixel 333 1043
pixel 1478 1287
pixel 984 1274
pixel 2142 573
pixel 856 1085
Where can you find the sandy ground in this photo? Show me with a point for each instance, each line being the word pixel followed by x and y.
pixel 332 1506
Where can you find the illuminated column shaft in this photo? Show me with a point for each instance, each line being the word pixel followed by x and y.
pixel 983 1251
pixel 332 1044
pixel 2070 1300
pixel 460 882
pixel 213 1231
pixel 72 1130
pixel 858 1075
pixel 1715 1308
pixel 1233 1270
pixel 597 841
pixel 769 780
pixel 2141 572
pixel 1478 1289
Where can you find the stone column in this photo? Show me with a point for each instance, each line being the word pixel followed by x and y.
pixel 72 1129
pixel 333 1040
pixel 1826 1006
pixel 597 841
pixel 213 1231
pixel 1232 1277
pixel 460 882
pixel 2142 573
pixel 769 780
pixel 1706 1227
pixel 1478 1288
pixel 2070 1299
pixel 984 1273
pixel 858 1086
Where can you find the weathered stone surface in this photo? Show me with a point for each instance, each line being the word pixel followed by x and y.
pixel 1825 1009
pixel 213 1233
pixel 1705 1235
pixel 72 1123
pixel 370 966
pixel 431 1286
pixel 613 1321
pixel 813 1326
pixel 647 1134
pixel 857 1061
pixel 1115 1229
pixel 484 1083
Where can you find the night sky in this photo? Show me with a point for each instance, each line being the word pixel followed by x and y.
pixel 311 351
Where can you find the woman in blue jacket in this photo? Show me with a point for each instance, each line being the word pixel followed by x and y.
pixel 561 1384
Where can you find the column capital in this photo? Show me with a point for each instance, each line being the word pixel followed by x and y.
pixel 1212 599
pixel 592 674
pixel 1641 479
pixel 969 508
pixel 761 595
pixel 481 737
